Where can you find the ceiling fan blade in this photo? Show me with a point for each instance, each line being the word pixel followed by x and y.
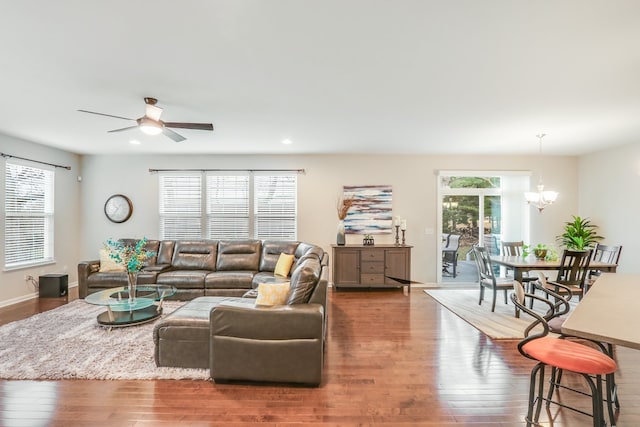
pixel 153 112
pixel 197 126
pixel 120 130
pixel 171 134
pixel 107 115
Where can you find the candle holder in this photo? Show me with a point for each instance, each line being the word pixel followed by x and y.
pixel 403 237
pixel 397 235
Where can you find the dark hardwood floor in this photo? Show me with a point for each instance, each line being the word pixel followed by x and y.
pixel 391 359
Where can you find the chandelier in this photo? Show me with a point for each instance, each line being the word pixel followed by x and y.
pixel 540 199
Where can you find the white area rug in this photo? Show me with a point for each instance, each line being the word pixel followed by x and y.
pixel 67 343
pixel 501 324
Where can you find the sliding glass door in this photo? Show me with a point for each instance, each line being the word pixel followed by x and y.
pixel 473 209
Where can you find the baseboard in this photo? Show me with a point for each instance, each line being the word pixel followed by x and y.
pixel 23 298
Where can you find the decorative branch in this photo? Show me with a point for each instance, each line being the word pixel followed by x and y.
pixel 343 205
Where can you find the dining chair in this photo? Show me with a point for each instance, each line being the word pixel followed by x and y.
pixel 559 354
pixel 491 243
pixel 512 248
pixel 515 249
pixel 572 273
pixel 487 278
pixel 603 253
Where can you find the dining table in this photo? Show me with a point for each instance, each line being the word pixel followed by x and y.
pixel 520 264
pixel 606 312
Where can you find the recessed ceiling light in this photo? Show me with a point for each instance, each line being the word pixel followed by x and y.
pixel 287 141
pixel 134 142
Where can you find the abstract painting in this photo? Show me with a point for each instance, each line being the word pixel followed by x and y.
pixel 371 212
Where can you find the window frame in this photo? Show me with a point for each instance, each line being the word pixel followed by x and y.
pixel 43 253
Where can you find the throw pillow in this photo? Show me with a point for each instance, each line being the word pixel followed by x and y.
pixel 107 263
pixel 284 265
pixel 272 293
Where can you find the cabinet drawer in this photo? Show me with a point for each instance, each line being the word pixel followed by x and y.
pixel 372 267
pixel 372 255
pixel 372 279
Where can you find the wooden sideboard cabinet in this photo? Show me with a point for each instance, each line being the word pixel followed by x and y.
pixel 358 266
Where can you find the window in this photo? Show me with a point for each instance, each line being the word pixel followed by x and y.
pixel 227 207
pixel 180 206
pixel 234 207
pixel 28 215
pixel 275 207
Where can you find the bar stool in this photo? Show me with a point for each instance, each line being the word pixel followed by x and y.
pixel 555 322
pixel 557 353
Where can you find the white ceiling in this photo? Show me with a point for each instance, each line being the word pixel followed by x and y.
pixel 334 76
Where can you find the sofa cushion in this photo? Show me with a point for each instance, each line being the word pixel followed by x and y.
pixel 151 246
pixel 272 293
pixel 238 255
pixel 229 280
pixel 308 249
pixel 194 255
pixel 183 279
pixel 109 279
pixel 165 252
pixel 283 267
pixel 271 250
pixel 304 280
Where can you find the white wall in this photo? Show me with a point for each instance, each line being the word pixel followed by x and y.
pixel 609 186
pixel 413 178
pixel 13 287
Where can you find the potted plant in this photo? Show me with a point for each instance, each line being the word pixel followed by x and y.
pixel 579 234
pixel 540 251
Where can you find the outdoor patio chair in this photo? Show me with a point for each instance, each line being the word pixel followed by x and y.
pixel 450 254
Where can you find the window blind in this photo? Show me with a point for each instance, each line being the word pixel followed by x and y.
pixel 275 207
pixel 29 213
pixel 227 207
pixel 180 206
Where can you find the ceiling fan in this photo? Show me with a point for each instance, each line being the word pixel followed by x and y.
pixel 151 124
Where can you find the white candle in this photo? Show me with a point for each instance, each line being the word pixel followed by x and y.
pixel 403 224
pixel 396 221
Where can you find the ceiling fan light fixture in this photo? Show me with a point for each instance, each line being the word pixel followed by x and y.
pixel 149 126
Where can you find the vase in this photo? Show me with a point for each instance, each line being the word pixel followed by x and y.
pixel 340 234
pixel 132 277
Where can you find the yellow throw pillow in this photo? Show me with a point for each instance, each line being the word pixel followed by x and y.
pixel 107 263
pixel 283 266
pixel 273 293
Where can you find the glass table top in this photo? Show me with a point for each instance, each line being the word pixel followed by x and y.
pixel 117 299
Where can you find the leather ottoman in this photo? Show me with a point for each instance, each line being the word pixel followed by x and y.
pixel 182 338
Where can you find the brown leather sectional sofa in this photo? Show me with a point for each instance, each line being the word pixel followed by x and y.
pixel 220 330
pixel 202 267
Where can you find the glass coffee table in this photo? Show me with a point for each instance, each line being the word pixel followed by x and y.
pixel 120 313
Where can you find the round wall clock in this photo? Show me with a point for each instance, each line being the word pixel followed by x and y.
pixel 118 208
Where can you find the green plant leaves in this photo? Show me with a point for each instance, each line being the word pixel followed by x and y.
pixel 579 234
